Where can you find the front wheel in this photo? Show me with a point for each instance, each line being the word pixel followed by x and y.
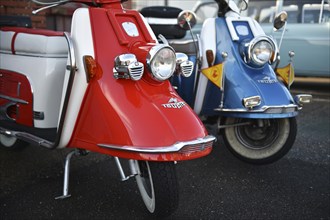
pixel 158 185
pixel 11 143
pixel 262 141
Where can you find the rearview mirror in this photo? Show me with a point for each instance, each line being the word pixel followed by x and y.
pixel 186 19
pixel 280 20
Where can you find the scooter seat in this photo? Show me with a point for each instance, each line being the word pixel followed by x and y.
pixel 163 20
pixel 184 46
pixel 33 42
pixel 39 56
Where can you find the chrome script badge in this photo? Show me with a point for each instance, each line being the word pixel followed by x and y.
pixel 174 103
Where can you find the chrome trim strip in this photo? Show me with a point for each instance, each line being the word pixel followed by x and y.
pixel 14 99
pixel 18 89
pixel 27 137
pixel 72 68
pixel 6 132
pixel 164 149
pixel 264 109
pixel 71 51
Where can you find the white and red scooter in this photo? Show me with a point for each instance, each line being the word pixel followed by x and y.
pixel 103 87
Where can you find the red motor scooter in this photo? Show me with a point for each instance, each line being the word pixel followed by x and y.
pixel 103 88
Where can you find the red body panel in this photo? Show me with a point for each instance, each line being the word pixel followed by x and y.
pixel 126 112
pixel 17 86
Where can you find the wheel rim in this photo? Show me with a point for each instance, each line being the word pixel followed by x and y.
pixel 145 185
pixel 253 145
pixel 7 141
pixel 256 137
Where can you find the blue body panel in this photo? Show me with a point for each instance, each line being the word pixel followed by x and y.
pixel 241 81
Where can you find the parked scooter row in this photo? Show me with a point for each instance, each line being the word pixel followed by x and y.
pixel 108 86
pixel 236 83
pixel 103 87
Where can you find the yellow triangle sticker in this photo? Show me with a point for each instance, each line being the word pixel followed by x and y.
pixel 215 74
pixel 286 73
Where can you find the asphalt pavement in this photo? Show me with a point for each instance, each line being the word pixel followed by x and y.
pixel 218 186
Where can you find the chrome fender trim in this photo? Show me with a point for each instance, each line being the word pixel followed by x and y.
pixel 202 142
pixel 264 109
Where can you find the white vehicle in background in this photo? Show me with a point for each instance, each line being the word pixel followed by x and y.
pixel 307 32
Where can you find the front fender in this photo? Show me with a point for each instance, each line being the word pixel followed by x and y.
pixel 243 81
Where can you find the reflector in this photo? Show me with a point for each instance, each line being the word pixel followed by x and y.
pixel 92 68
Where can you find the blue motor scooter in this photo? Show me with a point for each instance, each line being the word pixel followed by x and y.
pixel 238 85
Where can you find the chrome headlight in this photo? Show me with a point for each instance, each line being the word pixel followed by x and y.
pixel 161 62
pixel 259 51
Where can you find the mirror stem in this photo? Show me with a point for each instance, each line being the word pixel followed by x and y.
pixel 280 44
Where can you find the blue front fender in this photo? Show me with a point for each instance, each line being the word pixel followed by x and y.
pixel 276 100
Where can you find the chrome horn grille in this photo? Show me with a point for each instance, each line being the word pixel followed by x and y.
pixel 187 68
pixel 127 67
pixel 135 70
pixel 184 65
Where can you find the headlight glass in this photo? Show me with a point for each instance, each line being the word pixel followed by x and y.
pixel 261 52
pixel 161 62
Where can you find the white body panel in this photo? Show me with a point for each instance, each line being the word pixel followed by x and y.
pixel 81 34
pixel 208 42
pixel 42 59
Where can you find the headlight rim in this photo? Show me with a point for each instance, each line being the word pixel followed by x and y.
pixel 250 46
pixel 151 56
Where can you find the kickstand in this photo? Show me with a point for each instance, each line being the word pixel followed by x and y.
pixel 67 172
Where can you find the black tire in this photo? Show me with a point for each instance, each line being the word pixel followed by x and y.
pixel 158 187
pixel 260 144
pixel 11 143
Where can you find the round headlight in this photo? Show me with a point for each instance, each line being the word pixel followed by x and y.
pixel 161 62
pixel 260 51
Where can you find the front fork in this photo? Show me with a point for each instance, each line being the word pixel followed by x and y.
pixel 134 170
